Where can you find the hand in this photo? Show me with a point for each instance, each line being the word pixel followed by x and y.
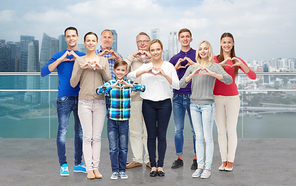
pixel 102 54
pixel 189 61
pixel 224 63
pixel 178 64
pixel 156 71
pixel 237 62
pixel 97 66
pixel 65 55
pixel 141 54
pixel 114 55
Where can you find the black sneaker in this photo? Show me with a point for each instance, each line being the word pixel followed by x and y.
pixel 194 165
pixel 177 164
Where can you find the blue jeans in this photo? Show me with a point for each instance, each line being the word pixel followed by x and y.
pixel 65 105
pixel 118 144
pixel 157 116
pixel 181 104
pixel 203 116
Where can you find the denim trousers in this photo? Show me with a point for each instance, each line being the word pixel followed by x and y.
pixel 92 114
pixel 203 116
pixel 118 143
pixel 157 116
pixel 181 104
pixel 65 105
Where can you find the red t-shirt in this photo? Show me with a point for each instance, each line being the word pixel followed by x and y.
pixel 221 89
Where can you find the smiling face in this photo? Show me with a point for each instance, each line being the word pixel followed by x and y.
pixel 71 38
pixel 227 44
pixel 120 71
pixel 185 39
pixel 91 42
pixel 203 51
pixel 107 39
pixel 143 42
pixel 156 51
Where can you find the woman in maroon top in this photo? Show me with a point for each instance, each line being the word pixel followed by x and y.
pixel 227 100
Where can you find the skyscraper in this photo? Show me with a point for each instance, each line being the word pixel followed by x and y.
pixel 33 82
pixel 173 44
pixel 155 33
pixel 25 40
pixel 49 47
pixel 114 44
pixel 266 78
pixel 62 43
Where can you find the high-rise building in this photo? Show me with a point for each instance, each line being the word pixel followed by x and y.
pixel 114 44
pixel 62 43
pixel 33 82
pixel 155 33
pixel 266 78
pixel 33 64
pixel 173 44
pixel 25 40
pixel 49 47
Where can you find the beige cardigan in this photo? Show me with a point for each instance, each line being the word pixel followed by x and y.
pixel 134 64
pixel 89 79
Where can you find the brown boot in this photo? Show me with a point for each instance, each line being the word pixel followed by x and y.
pixel 90 175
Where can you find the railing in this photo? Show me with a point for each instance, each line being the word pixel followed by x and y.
pixel 28 106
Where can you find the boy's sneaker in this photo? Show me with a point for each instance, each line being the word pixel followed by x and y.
pixel 197 173
pixel 123 175
pixel 64 170
pixel 205 174
pixel 177 164
pixel 80 168
pixel 114 176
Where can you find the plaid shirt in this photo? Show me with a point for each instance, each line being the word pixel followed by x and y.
pixel 120 99
pixel 110 61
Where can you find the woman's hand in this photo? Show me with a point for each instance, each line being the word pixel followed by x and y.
pixel 224 63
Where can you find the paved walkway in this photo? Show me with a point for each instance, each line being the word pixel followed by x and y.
pixel 258 162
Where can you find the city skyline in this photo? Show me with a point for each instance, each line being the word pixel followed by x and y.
pixel 262 29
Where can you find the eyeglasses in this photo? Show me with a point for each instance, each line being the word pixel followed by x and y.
pixel 143 41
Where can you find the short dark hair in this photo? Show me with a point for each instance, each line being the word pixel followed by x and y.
pixel 70 28
pixel 106 30
pixel 90 33
pixel 120 63
pixel 184 30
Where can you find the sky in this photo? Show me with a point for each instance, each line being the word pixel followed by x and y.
pixel 262 29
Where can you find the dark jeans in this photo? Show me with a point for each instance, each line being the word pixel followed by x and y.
pixel 118 144
pixel 65 105
pixel 157 116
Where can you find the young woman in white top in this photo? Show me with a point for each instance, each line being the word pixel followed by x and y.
pixel 159 77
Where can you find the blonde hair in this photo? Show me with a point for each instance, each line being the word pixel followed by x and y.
pixel 210 60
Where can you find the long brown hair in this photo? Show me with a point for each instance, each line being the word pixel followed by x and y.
pixel 232 52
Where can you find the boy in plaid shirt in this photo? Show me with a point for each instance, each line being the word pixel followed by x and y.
pixel 118 115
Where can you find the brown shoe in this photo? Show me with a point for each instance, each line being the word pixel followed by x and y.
pixel 90 175
pixel 148 165
pixel 98 175
pixel 133 164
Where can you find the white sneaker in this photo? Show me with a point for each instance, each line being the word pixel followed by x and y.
pixel 197 173
pixel 205 174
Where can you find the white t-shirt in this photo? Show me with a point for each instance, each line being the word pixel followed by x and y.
pixel 157 86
